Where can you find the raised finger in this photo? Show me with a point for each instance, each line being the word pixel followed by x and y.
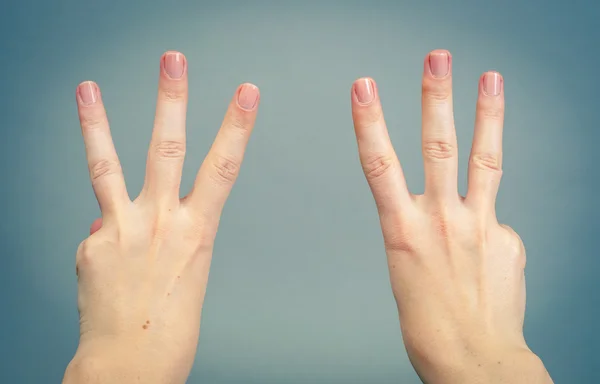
pixel 104 167
pixel 377 156
pixel 222 164
pixel 440 155
pixel 167 146
pixel 485 162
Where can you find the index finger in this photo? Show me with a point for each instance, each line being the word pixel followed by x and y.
pixel 377 156
pixel 221 166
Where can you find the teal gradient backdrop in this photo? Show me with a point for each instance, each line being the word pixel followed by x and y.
pixel 299 290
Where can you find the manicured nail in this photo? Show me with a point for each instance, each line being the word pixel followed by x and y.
pixel 88 92
pixel 492 84
pixel 364 90
pixel 174 64
pixel 439 64
pixel 248 97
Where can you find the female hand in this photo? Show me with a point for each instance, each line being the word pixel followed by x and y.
pixel 457 275
pixel 142 273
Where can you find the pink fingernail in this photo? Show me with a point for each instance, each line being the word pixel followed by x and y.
pixel 439 64
pixel 174 64
pixel 492 83
pixel 88 92
pixel 364 90
pixel 248 97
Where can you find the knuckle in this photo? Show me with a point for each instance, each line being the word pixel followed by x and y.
pixel 225 169
pixel 202 233
pixel 436 91
pixel 161 228
pixel 170 150
pixel 492 112
pixel 103 168
pixel 515 245
pixel 438 150
pixel 92 121
pixel 486 161
pixel 173 94
pixel 399 242
pixel 377 166
pixel 370 117
pixel 441 223
pixel 85 255
pixel 522 259
pixel 238 123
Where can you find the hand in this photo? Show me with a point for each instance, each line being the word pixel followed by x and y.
pixel 142 273
pixel 457 275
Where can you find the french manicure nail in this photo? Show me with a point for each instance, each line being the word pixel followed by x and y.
pixel 439 64
pixel 174 64
pixel 88 93
pixel 364 91
pixel 247 97
pixel 492 84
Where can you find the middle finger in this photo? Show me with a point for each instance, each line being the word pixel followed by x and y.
pixel 439 136
pixel 167 147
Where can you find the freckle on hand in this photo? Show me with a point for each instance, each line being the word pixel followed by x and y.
pixel 145 326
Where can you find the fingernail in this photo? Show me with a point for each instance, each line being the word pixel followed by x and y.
pixel 247 97
pixel 439 64
pixel 88 93
pixel 492 84
pixel 364 90
pixel 174 64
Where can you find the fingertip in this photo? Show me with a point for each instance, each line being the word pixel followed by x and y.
pixel 87 93
pixel 364 91
pixel 87 83
pixel 439 51
pixel 491 83
pixel 248 97
pixel 96 225
pixel 174 64
pixel 438 63
pixel 172 52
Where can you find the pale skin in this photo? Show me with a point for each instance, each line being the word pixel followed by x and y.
pixel 457 274
pixel 142 273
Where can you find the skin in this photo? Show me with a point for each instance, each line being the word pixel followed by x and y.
pixel 457 274
pixel 142 273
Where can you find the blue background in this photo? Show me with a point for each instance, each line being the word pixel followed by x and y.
pixel 299 291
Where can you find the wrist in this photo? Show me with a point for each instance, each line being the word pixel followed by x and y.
pixel 489 364
pixel 114 369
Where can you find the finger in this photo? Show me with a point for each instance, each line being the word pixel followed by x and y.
pixel 221 166
pixel 377 156
pixel 105 170
pixel 96 225
pixel 485 162
pixel 440 154
pixel 167 147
